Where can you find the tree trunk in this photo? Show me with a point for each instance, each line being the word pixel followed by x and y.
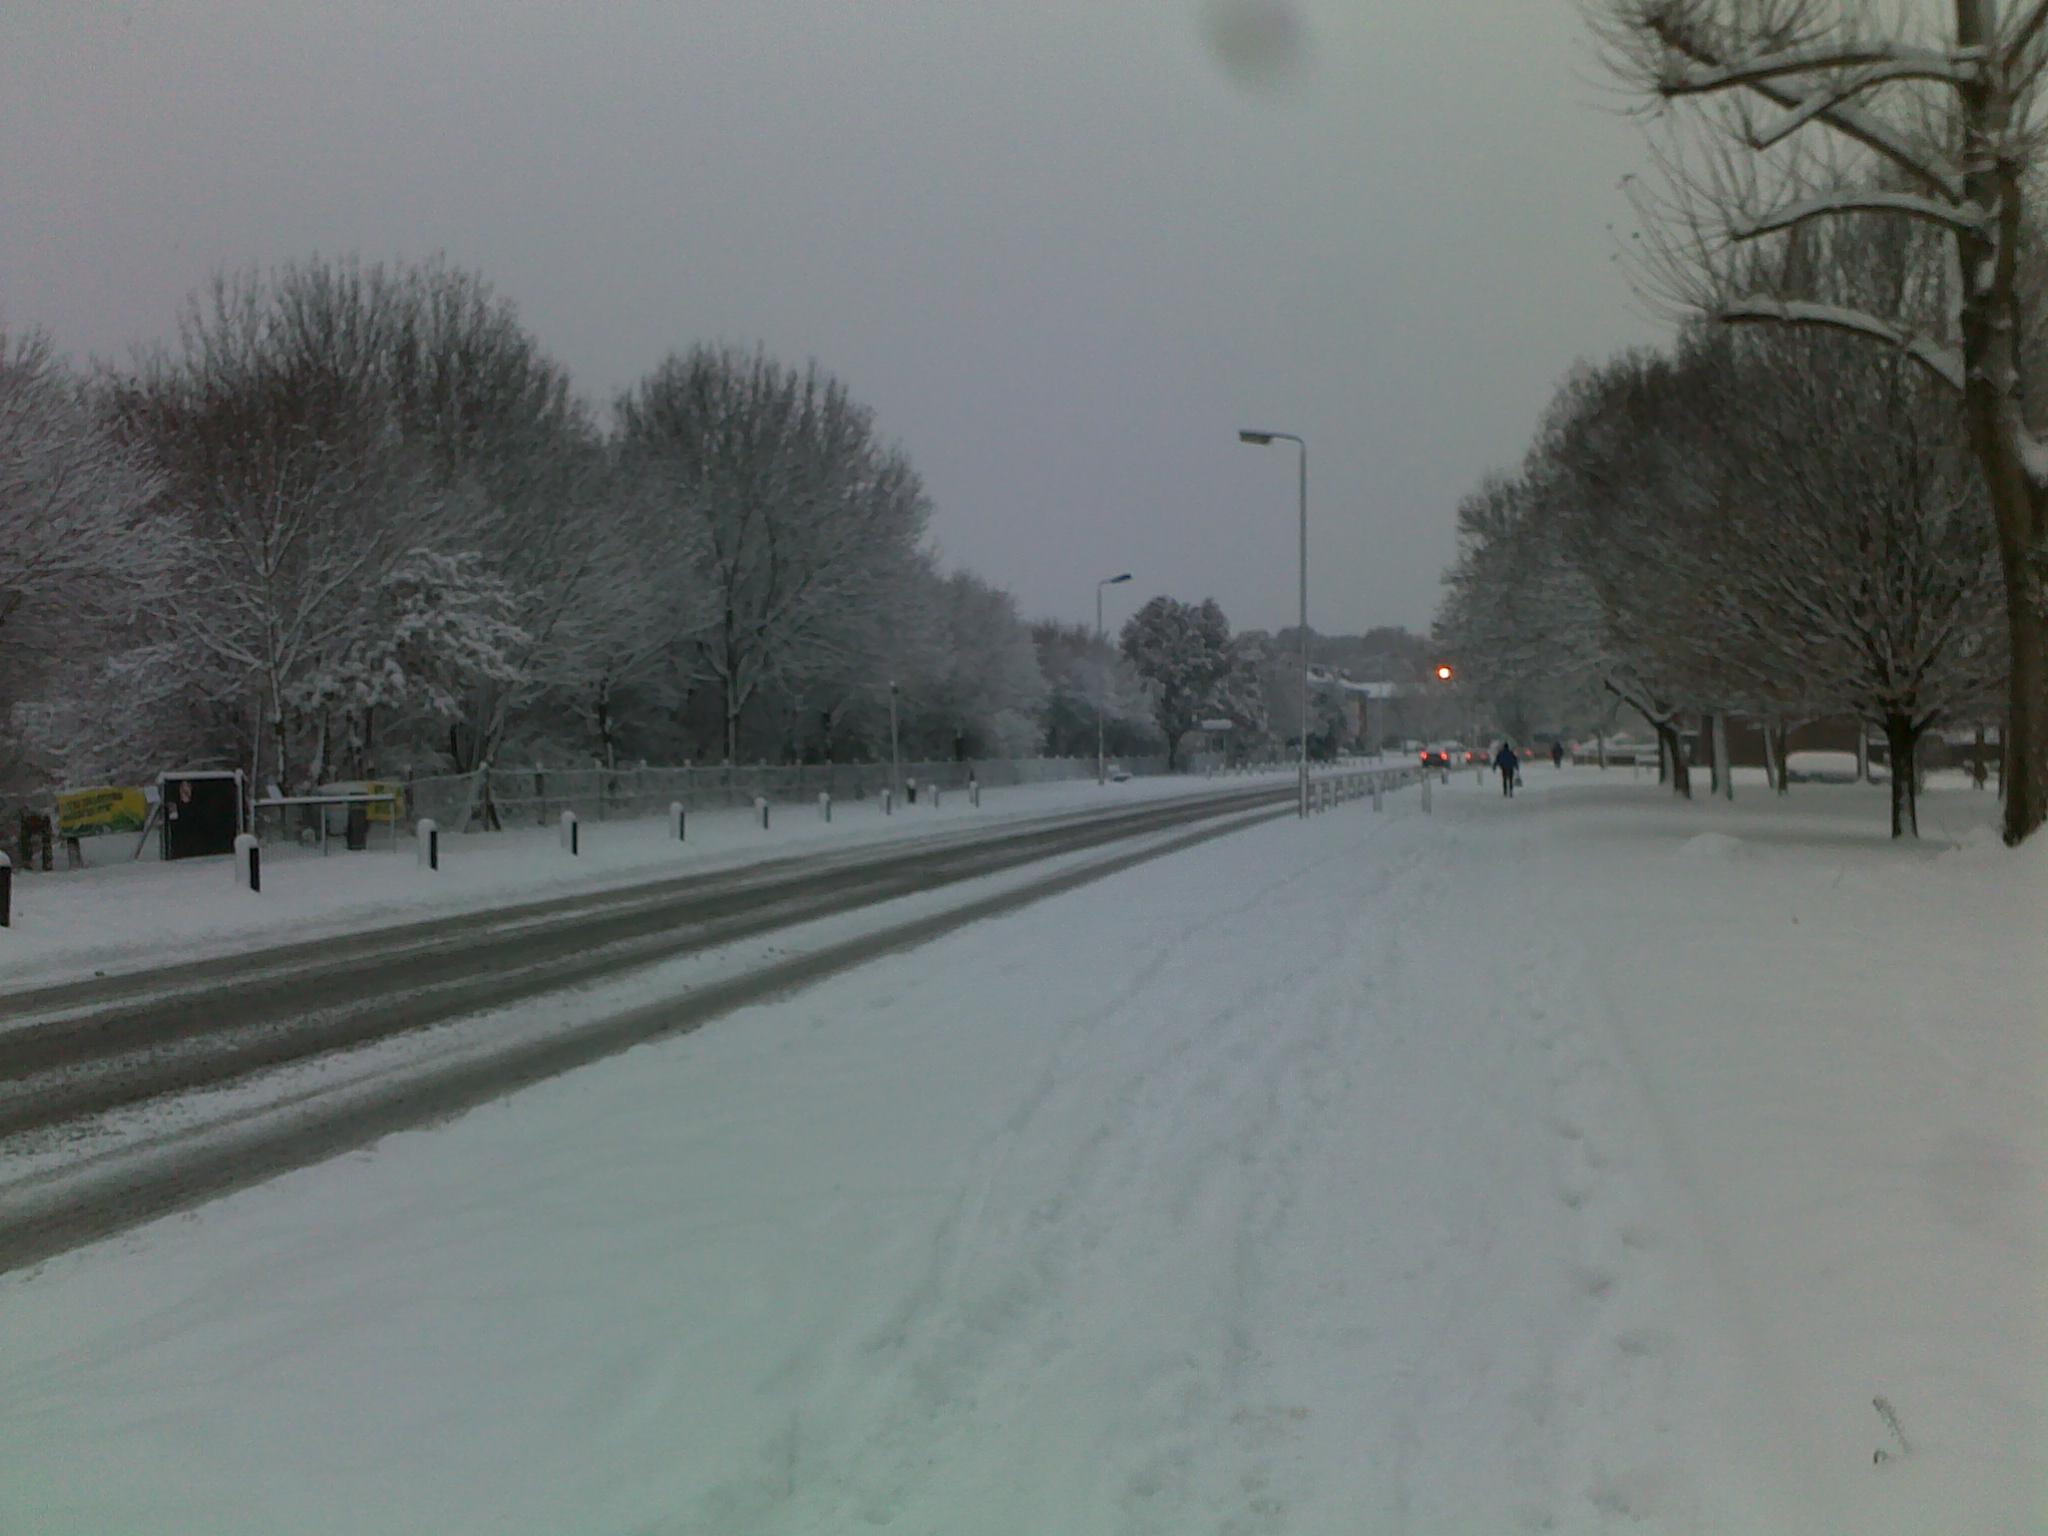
pixel 1671 746
pixel 1862 754
pixel 1784 751
pixel 1902 741
pixel 1992 328
pixel 2026 744
pixel 1724 778
pixel 1770 754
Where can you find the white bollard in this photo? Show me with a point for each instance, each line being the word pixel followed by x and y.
pixel 571 843
pixel 675 820
pixel 761 806
pixel 974 793
pixel 248 863
pixel 935 797
pixel 888 802
pixel 1378 795
pixel 824 805
pixel 1425 794
pixel 6 890
pixel 429 836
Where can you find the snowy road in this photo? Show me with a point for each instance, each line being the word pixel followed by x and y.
pixel 126 1098
pixel 1498 1170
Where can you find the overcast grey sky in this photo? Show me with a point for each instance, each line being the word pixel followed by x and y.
pixel 1058 245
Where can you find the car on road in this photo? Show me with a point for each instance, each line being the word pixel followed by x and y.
pixel 1441 754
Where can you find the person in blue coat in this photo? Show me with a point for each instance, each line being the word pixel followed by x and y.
pixel 1509 765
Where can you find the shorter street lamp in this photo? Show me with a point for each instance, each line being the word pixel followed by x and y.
pixel 1101 762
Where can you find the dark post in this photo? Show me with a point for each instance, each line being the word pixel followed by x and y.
pixel 249 861
pixel 6 891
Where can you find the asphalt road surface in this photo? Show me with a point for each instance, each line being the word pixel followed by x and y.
pixel 72 1055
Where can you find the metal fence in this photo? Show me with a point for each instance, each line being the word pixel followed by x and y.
pixel 537 796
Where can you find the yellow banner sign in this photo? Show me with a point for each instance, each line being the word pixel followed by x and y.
pixel 385 812
pixel 90 812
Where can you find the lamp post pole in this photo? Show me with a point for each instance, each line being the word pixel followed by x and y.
pixel 1263 438
pixel 895 758
pixel 1101 686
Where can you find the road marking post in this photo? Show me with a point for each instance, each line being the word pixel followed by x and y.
pixel 761 808
pixel 675 820
pixel 888 802
pixel 248 862
pixel 6 891
pixel 569 834
pixel 430 843
pixel 824 805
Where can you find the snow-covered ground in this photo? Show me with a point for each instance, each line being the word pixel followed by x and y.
pixel 1579 1163
pixel 124 915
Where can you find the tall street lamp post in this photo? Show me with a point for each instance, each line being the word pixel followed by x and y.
pixel 1102 686
pixel 895 757
pixel 1263 438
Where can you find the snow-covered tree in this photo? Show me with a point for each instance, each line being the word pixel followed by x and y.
pixel 1183 652
pixel 1857 571
pixel 805 524
pixel 1083 673
pixel 989 691
pixel 1821 112
pixel 80 554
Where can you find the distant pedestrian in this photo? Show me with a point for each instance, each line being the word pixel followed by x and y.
pixel 1510 767
pixel 1557 754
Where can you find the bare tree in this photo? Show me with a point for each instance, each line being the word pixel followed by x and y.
pixel 1856 567
pixel 807 524
pixel 1932 122
pixel 82 555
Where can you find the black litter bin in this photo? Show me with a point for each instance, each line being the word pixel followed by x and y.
pixel 201 813
pixel 358 828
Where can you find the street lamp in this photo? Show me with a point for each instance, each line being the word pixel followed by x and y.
pixel 1101 687
pixel 1261 439
pixel 1443 673
pixel 895 757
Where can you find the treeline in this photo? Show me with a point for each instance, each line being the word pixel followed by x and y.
pixel 1780 522
pixel 356 522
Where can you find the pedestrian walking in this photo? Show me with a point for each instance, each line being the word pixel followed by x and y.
pixel 1557 754
pixel 1510 767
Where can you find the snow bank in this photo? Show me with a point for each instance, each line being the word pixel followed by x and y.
pixel 129 915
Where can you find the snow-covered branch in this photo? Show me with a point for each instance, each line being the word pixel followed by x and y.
pixel 1965 219
pixel 1690 75
pixel 1944 362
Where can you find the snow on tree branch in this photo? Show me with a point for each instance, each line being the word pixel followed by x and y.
pixel 1945 363
pixel 1690 76
pixel 1967 219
